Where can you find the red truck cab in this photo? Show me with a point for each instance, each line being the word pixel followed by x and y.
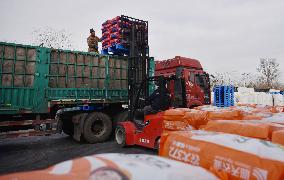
pixel 195 90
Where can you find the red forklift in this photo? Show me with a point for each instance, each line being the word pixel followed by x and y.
pixel 182 78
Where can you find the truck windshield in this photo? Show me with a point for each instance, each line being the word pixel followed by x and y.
pixel 201 80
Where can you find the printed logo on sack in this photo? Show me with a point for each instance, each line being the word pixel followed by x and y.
pixel 239 170
pixel 227 165
pixel 260 174
pixel 181 155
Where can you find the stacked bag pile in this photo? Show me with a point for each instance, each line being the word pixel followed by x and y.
pixel 278 99
pixel 240 142
pixel 249 96
pixel 112 33
pixel 255 121
pixel 116 34
pixel 228 156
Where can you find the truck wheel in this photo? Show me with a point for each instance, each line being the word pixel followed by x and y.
pixel 120 117
pixel 97 127
pixel 120 136
pixel 67 125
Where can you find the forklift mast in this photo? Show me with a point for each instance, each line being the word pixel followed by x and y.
pixel 138 61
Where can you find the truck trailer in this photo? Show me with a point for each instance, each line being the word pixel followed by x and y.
pixel 45 91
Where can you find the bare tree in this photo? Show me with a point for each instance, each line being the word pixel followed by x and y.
pixel 51 38
pixel 269 72
pixel 223 78
pixel 216 79
pixel 248 80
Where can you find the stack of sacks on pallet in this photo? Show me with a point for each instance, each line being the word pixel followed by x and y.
pixel 229 156
pixel 240 142
pixel 117 167
pixel 278 99
pixel 106 34
pixel 259 122
pixel 199 116
pixel 248 96
pixel 255 121
pixel 245 95
pixel 112 33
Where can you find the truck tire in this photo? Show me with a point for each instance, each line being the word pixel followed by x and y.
pixel 67 125
pixel 120 136
pixel 120 117
pixel 68 132
pixel 97 127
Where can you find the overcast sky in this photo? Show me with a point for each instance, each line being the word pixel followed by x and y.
pixel 225 35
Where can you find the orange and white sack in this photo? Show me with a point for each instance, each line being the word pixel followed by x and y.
pixel 116 167
pixel 275 118
pixel 196 118
pixel 274 127
pixel 249 128
pixel 237 156
pixel 176 126
pixel 174 114
pixel 244 128
pixel 246 110
pixel 278 137
pixel 218 113
pixel 225 114
pixel 280 108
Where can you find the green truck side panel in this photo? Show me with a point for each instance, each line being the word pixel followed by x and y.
pixel 17 90
pixel 32 76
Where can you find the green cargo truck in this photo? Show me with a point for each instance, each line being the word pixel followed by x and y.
pixel 45 91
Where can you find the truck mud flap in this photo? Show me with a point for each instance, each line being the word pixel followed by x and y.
pixel 78 121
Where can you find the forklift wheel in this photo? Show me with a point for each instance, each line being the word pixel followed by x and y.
pixel 120 136
pixel 157 144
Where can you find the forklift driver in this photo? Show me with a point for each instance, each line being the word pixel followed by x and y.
pixel 159 99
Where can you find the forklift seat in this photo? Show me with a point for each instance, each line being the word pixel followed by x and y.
pixel 139 114
pixel 139 118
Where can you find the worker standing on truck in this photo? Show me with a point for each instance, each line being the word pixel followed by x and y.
pixel 93 41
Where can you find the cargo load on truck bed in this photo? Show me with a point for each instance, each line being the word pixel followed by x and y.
pixel 31 76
